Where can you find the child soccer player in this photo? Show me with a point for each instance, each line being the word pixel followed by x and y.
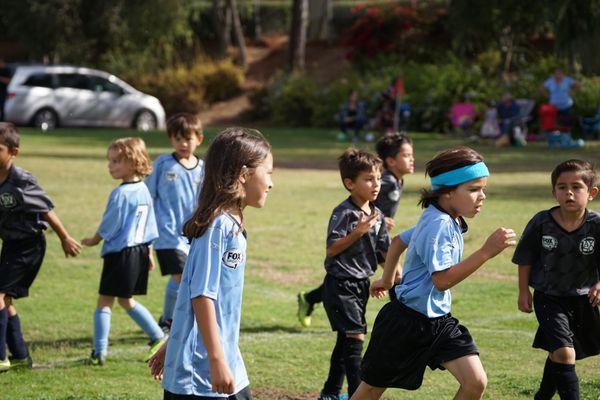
pixel 357 240
pixel 25 213
pixel 557 256
pixel 203 359
pixel 396 152
pixel 174 185
pixel 128 228
pixel 416 329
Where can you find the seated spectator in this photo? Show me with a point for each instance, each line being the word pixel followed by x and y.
pixel 384 118
pixel 352 116
pixel 508 112
pixel 490 128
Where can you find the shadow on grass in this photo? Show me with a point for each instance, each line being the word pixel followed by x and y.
pixel 271 329
pixel 83 342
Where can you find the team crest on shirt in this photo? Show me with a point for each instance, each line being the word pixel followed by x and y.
pixel 171 176
pixel 587 245
pixel 394 195
pixel 549 242
pixel 233 258
pixel 8 200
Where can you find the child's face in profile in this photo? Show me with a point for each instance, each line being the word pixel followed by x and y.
pixel 185 147
pixel 258 183
pixel 119 167
pixel 572 193
pixel 365 187
pixel 7 156
pixel 467 199
pixel 403 163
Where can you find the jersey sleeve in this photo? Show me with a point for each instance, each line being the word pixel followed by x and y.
pixel 528 248
pixel 437 247
pixel 205 264
pixel 112 217
pixel 338 226
pixel 35 199
pixel 406 235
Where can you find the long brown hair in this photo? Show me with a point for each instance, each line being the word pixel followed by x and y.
pixel 447 160
pixel 233 152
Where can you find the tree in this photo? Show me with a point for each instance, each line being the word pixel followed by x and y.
pixel 239 33
pixel 222 21
pixel 297 47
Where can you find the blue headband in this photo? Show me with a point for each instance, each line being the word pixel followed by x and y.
pixel 460 175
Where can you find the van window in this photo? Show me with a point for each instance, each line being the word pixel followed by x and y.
pixel 75 81
pixel 104 85
pixel 40 80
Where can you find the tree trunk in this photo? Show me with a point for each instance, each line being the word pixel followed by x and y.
pixel 298 35
pixel 321 14
pixel 239 34
pixel 222 22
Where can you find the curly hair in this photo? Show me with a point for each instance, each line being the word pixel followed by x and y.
pixel 133 149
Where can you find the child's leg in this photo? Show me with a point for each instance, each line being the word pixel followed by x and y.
pixel 367 392
pixel 171 291
pixel 337 371
pixel 315 296
pixel 142 317
pixel 353 345
pixel 14 334
pixel 547 385
pixel 469 372
pixel 565 377
pixel 102 324
pixel 3 326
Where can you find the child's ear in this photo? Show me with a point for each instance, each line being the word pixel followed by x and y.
pixel 348 184
pixel 243 174
pixel 593 192
pixel 14 151
pixel 200 138
pixel 390 161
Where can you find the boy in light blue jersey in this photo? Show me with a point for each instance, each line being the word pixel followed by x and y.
pixel 174 185
pixel 128 228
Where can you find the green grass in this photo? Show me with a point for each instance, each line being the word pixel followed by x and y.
pixel 285 255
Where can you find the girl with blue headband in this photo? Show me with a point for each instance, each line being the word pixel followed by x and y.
pixel 417 330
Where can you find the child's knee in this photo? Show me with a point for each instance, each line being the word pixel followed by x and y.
pixel 357 336
pixel 475 385
pixel 563 355
pixel 126 303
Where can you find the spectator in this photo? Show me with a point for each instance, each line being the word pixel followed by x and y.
pixel 352 116
pixel 508 112
pixel 490 128
pixel 558 88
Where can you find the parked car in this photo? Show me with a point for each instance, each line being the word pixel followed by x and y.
pixel 48 96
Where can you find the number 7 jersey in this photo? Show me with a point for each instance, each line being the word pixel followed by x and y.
pixel 128 219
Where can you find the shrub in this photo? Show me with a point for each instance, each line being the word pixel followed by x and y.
pixel 587 98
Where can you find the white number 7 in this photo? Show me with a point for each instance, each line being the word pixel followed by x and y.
pixel 141 216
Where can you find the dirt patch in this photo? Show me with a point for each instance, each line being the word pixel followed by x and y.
pixel 269 271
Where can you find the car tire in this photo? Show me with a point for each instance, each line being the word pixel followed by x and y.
pixel 45 119
pixel 145 120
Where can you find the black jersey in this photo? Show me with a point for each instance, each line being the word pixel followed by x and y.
pixel 22 201
pixel 389 194
pixel 360 260
pixel 562 263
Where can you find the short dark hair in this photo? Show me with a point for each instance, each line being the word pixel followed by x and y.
pixel 9 135
pixel 184 124
pixel 354 161
pixel 447 160
pixel 389 145
pixel 584 168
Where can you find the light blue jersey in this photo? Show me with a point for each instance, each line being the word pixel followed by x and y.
pixel 128 219
pixel 174 189
pixel 214 269
pixel 436 244
pixel 560 93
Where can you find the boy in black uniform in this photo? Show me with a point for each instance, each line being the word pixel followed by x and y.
pixel 357 240
pixel 25 212
pixel 558 256
pixel 396 152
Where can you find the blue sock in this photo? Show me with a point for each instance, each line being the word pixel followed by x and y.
pixel 170 298
pixel 101 330
pixel 144 319
pixel 14 338
pixel 3 327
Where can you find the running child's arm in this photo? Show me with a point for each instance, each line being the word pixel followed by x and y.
pixel 364 224
pixel 70 246
pixel 390 270
pixel 92 241
pixel 221 377
pixel 525 302
pixel 498 241
pixel 157 362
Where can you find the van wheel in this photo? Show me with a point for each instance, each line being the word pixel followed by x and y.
pixel 45 119
pixel 144 121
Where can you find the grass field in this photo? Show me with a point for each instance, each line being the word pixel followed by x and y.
pixel 285 255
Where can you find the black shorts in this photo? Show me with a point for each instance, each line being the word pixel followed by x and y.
pixel 171 261
pixel 345 302
pixel 567 322
pixel 404 342
pixel 243 394
pixel 125 273
pixel 20 262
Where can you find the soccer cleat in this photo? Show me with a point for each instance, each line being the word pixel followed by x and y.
pixel 343 396
pixel 96 359
pixel 304 310
pixel 4 365
pixel 155 345
pixel 21 363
